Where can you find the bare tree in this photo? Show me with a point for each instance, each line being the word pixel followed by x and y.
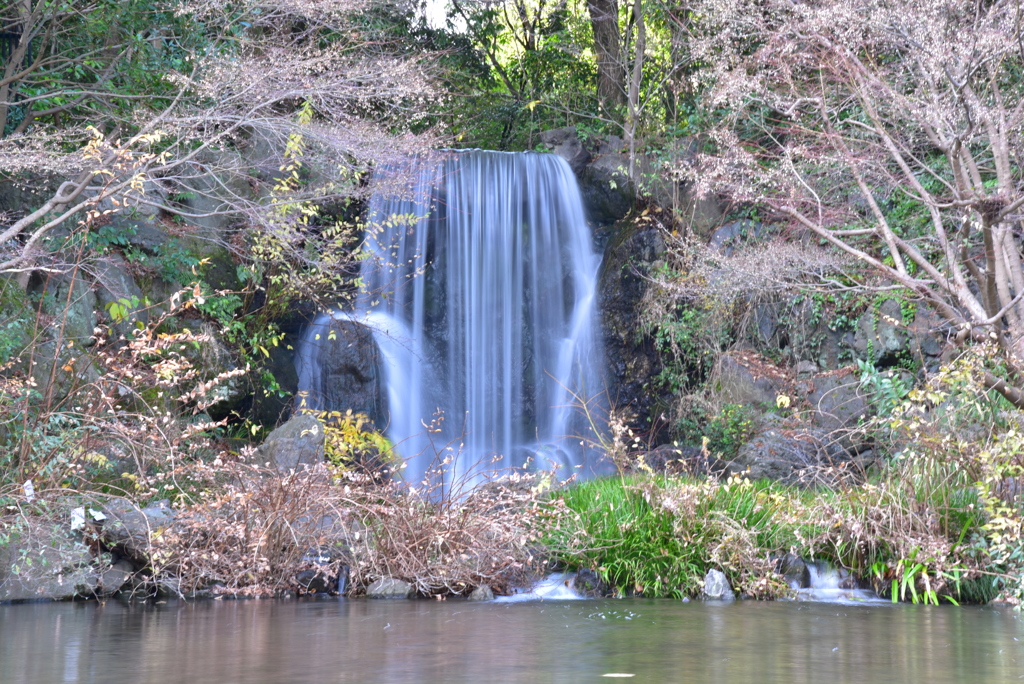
pixel 291 71
pixel 890 130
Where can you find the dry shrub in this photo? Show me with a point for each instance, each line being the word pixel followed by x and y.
pixel 756 271
pixel 452 545
pixel 253 529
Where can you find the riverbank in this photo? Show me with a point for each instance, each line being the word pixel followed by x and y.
pixel 252 531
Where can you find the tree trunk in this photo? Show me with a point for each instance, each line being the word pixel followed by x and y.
pixel 604 18
pixel 633 115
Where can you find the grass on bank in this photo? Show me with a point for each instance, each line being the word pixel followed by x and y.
pixel 657 536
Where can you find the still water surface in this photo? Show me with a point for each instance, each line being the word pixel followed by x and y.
pixel 259 642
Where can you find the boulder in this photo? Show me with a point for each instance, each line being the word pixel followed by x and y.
pixel 131 528
pixel 114 578
pixel 588 583
pixel 481 593
pixel 59 371
pixel 296 444
pixel 792 457
pixel 390 588
pixel 118 295
pixel 215 190
pixel 69 298
pixel 211 358
pixel 743 379
pixel 881 335
pixel 927 337
pixel 51 586
pixel 340 370
pixel 139 204
pixel 716 587
pixel 566 144
pixel 838 401
pixel 608 192
pixel 43 562
pixel 730 236
pixel 665 186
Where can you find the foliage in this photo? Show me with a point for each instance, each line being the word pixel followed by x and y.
pixel 107 425
pixel 723 432
pixel 687 342
pixel 658 536
pixel 887 389
pixel 350 440
pixel 889 140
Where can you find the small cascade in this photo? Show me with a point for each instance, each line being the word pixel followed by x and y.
pixel 829 585
pixel 480 291
pixel 555 587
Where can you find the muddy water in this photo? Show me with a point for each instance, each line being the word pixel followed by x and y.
pixel 256 642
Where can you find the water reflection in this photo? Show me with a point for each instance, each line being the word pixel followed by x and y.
pixel 424 641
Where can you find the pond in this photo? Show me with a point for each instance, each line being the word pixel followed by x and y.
pixel 358 640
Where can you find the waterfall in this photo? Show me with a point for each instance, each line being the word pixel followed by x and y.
pixel 480 290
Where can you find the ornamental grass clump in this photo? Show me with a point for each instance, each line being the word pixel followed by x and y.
pixel 658 536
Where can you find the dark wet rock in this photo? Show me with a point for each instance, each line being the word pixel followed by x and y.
pixel 566 144
pixel 632 360
pixel 316 581
pixel 322 571
pixel 296 444
pixel 716 587
pixel 350 376
pixel 269 407
pixel 766 326
pixel 481 593
pixel 608 193
pixel 587 582
pixel 795 571
pixel 390 588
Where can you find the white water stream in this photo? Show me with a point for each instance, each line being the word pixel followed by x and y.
pixel 480 289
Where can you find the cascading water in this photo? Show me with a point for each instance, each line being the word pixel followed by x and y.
pixel 480 290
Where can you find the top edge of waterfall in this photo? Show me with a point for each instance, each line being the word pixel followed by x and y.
pixel 480 149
